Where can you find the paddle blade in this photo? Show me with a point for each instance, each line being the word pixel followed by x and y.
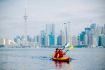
pixel 67 45
pixel 71 47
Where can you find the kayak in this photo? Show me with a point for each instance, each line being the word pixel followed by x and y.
pixel 63 59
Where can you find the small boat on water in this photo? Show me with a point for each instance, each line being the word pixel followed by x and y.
pixel 63 59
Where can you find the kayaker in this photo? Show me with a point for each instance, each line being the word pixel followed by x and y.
pixel 56 55
pixel 61 53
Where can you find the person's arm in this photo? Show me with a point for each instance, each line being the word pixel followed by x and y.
pixel 64 53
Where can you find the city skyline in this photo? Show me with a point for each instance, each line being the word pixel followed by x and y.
pixel 91 37
pixel 79 13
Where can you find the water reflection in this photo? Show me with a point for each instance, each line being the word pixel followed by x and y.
pixel 62 65
pixel 59 64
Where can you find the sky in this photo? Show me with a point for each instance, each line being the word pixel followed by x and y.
pixel 78 14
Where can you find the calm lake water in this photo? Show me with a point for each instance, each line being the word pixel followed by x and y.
pixel 40 59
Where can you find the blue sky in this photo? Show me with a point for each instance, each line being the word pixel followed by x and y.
pixel 81 13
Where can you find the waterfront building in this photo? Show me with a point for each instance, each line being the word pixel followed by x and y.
pixel 38 39
pixel 43 39
pixel 98 35
pixel 88 35
pixel 63 38
pixel 103 30
pixel 67 33
pixel 59 40
pixel 93 41
pixel 86 39
pixel 78 37
pixel 103 35
pixel 93 26
pixel 51 40
pixel 50 28
pixel 103 40
pixel 29 39
pixel 35 43
pixel 82 38
pixel 74 40
pixel 50 34
pixel 4 42
pixel 98 31
pixel 100 40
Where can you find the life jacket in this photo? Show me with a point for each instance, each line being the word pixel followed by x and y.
pixel 56 54
pixel 60 53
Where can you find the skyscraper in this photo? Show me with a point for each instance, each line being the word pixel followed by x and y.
pixel 74 40
pixel 82 38
pixel 60 39
pixel 100 40
pixel 87 30
pixel 51 39
pixel 50 34
pixel 103 38
pixel 67 32
pixel 98 34
pixel 50 28
pixel 103 41
pixel 43 39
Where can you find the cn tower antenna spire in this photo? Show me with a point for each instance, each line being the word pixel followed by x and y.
pixel 25 24
pixel 25 16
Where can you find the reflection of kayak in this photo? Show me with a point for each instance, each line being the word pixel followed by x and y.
pixel 63 59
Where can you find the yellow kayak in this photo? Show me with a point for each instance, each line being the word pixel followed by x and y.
pixel 63 59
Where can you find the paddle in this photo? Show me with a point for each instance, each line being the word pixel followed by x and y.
pixel 70 47
pixel 66 45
